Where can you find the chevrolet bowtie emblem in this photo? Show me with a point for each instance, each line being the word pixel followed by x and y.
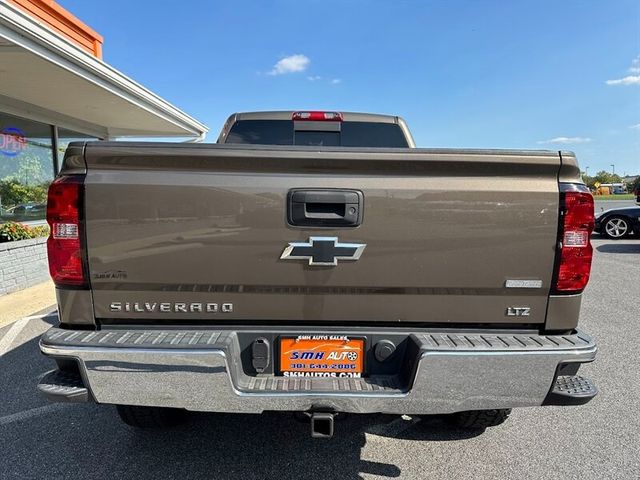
pixel 323 251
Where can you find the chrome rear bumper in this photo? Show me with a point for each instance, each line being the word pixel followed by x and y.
pixel 200 370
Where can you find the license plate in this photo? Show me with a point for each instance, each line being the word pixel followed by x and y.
pixel 321 356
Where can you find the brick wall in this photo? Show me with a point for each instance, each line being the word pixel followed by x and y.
pixel 23 264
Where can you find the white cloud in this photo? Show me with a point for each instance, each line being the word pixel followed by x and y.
pixel 296 64
pixel 628 80
pixel 315 78
pixel 291 64
pixel 635 127
pixel 633 79
pixel 566 140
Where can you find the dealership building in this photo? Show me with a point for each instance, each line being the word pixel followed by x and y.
pixel 55 88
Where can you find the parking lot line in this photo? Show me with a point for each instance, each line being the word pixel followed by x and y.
pixel 10 336
pixel 34 412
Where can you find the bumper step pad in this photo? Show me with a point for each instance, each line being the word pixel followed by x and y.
pixel 60 386
pixel 571 390
pixel 385 384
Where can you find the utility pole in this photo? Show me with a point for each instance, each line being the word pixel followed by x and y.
pixel 586 171
pixel 614 168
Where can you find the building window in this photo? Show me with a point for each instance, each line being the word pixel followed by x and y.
pixel 26 168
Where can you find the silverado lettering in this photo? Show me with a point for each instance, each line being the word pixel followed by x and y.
pixel 168 307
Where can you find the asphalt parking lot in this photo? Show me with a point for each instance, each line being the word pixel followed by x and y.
pixel 600 440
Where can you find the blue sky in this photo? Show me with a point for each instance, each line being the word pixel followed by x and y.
pixel 545 74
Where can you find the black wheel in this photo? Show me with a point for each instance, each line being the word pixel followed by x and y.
pixel 150 417
pixel 616 227
pixel 479 419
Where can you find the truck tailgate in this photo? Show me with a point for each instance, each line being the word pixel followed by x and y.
pixel 173 230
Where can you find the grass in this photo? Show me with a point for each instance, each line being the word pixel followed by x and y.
pixel 625 196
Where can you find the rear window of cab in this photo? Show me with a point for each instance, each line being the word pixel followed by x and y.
pixel 351 134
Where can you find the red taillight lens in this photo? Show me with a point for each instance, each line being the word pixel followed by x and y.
pixel 64 245
pixel 317 116
pixel 575 251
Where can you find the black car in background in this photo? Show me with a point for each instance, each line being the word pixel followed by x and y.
pixel 30 210
pixel 24 212
pixel 619 222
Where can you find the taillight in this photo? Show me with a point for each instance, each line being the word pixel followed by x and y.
pixel 574 247
pixel 64 246
pixel 317 116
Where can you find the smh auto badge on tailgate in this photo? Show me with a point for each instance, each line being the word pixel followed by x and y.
pixel 323 251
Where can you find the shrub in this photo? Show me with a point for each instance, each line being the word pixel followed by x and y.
pixel 40 231
pixel 12 232
pixel 13 192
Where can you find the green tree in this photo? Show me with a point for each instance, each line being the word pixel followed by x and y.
pixel 30 171
pixel 25 180
pixel 606 177
pixel 588 181
pixel 13 192
pixel 30 167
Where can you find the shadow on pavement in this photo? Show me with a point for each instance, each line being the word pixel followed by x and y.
pixel 619 247
pixel 89 441
pixel 51 318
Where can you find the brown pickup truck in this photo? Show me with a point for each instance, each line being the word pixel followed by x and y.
pixel 317 262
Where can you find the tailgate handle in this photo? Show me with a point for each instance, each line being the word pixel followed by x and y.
pixel 324 208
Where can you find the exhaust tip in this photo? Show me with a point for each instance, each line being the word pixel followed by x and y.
pixel 322 424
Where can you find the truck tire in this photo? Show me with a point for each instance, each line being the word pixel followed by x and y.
pixel 479 419
pixel 149 417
